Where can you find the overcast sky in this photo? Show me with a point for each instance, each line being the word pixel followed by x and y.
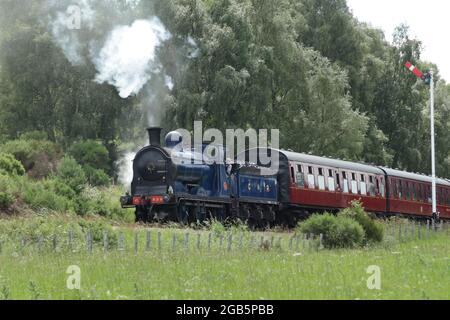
pixel 429 21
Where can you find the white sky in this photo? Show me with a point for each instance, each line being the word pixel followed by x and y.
pixel 429 21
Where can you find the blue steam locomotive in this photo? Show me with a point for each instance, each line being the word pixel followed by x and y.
pixel 171 183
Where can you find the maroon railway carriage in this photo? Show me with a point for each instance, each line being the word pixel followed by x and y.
pixel 410 193
pixel 309 183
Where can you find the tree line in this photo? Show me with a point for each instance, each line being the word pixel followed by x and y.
pixel 332 84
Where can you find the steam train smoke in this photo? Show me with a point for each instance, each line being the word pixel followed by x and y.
pixel 127 59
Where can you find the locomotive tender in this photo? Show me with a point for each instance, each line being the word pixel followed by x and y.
pixel 168 185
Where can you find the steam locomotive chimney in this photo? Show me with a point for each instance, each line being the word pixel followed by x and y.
pixel 154 135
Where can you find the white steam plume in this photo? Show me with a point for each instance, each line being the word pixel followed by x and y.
pixel 128 56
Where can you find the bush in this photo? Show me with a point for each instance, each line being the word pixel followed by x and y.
pixel 338 232
pixel 348 233
pixel 10 165
pixel 6 201
pixel 41 195
pixel 38 157
pixel 97 177
pixel 374 230
pixel 91 153
pixel 72 174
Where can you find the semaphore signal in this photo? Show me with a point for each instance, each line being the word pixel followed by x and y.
pixel 429 80
pixel 419 74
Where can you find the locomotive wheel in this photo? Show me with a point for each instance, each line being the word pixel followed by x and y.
pixel 141 215
pixel 182 214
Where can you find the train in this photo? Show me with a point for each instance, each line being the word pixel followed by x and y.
pixel 168 185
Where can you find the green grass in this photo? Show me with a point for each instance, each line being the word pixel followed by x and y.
pixel 414 269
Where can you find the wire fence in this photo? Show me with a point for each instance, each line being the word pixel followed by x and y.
pixel 175 241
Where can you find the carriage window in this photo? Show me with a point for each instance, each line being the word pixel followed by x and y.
pixel 430 200
pixel 292 174
pixel 414 192
pixel 300 177
pixel 363 186
pixel 354 184
pixel 372 188
pixel 330 173
pixel 381 188
pixel 400 189
pixel 338 180
pixel 345 186
pixel 408 190
pixel 320 172
pixel 311 182
pixel 331 185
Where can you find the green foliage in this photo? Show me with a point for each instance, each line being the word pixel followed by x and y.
pixel 9 165
pixel 38 157
pixel 96 177
pixel 6 200
pixel 374 230
pixel 90 153
pixel 72 174
pixel 338 232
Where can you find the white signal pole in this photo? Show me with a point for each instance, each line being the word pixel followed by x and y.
pixel 433 157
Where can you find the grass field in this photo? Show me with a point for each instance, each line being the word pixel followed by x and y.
pixel 413 269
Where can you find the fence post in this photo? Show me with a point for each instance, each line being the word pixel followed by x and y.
pixel 271 242
pixel 321 241
pixel 441 225
pixel 121 243
pixel 174 241
pixel 209 241
pixel 136 242
pixel 290 243
pixel 261 245
pixel 230 242
pixel 220 241
pixel 55 242
pixel 70 239
pixel 297 243
pixel 241 239
pixel 400 232
pixel 198 241
pixel 40 242
pixel 22 243
pixel 159 241
pixel 428 228
pixel 148 244
pixel 89 241
pixel 186 241
pixel 105 241
pixel 252 240
pixel 413 231
pixel 419 231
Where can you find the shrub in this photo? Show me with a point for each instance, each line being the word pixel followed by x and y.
pixel 40 195
pixel 338 232
pixel 31 153
pixel 6 201
pixel 374 230
pixel 348 233
pixel 96 177
pixel 72 174
pixel 10 165
pixel 91 153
